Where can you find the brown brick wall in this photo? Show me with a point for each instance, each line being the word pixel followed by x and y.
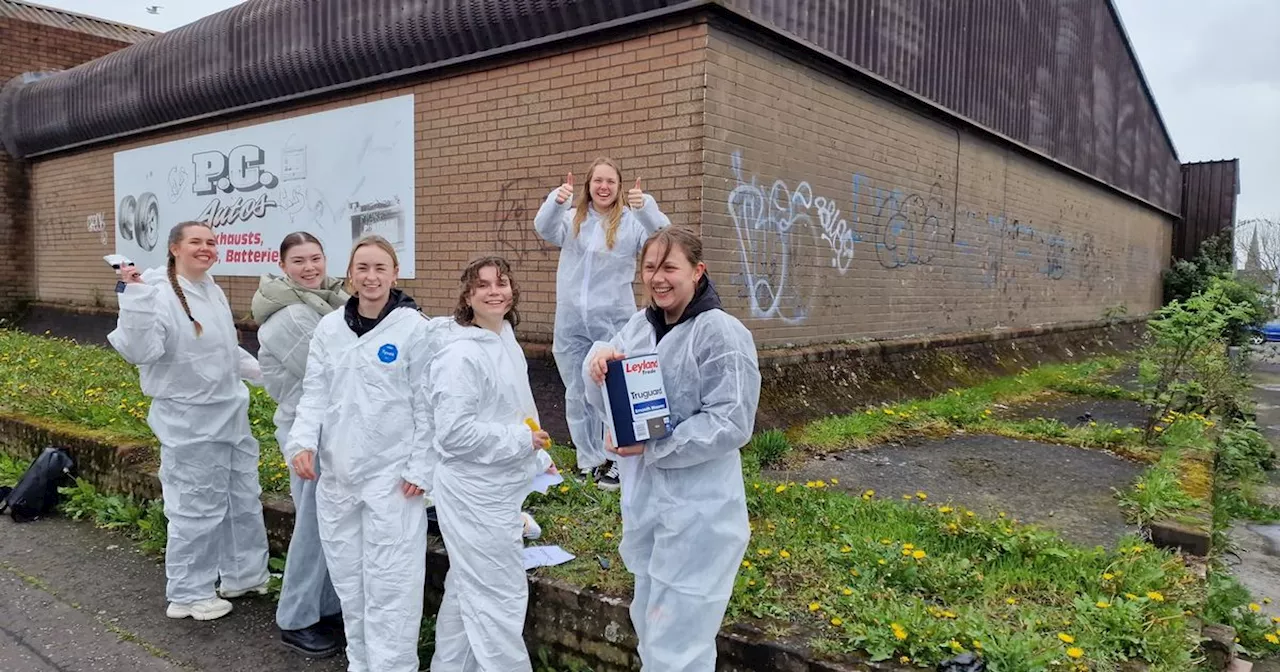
pixel 490 145
pixel 850 216
pixel 832 214
pixel 30 47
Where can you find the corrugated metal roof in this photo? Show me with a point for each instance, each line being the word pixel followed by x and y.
pixel 1057 76
pixel 60 18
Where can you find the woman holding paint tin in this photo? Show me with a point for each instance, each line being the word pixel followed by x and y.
pixel 287 309
pixel 599 237
pixel 176 326
pixel 684 510
pixel 363 427
pixel 488 444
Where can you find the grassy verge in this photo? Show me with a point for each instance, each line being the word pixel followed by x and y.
pixel 974 409
pixel 1179 485
pixel 919 582
pixel 91 388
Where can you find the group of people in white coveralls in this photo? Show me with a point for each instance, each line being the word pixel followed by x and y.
pixel 383 410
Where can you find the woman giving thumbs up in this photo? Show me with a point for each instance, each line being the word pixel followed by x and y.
pixel 600 235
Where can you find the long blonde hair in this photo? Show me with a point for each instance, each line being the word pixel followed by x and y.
pixel 376 241
pixel 613 216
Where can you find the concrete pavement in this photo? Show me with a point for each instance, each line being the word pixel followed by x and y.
pixel 74 598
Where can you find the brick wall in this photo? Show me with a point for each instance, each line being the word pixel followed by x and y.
pixel 490 145
pixel 30 47
pixel 832 214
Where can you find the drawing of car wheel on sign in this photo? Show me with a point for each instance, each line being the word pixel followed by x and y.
pixel 140 220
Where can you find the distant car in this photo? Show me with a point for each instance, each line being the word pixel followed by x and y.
pixel 1269 333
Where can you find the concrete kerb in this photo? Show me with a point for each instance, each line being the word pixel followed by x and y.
pixel 571 623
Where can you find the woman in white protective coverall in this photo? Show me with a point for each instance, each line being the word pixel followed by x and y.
pixel 363 420
pixel 287 310
pixel 175 324
pixel 684 510
pixel 487 459
pixel 599 239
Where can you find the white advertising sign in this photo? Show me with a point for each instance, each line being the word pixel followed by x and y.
pixel 339 175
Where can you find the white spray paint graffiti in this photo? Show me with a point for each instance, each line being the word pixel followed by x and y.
pixel 98 224
pixel 766 224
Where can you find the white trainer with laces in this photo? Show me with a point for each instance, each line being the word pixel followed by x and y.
pixel 203 610
pixel 531 528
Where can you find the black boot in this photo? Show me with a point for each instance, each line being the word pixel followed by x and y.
pixel 333 624
pixel 313 642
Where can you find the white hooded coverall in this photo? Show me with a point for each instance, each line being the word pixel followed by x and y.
pixel 287 315
pixel 486 463
pixel 684 511
pixel 363 404
pixel 200 414
pixel 594 298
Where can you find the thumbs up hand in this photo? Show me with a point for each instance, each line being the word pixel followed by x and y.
pixel 566 190
pixel 635 197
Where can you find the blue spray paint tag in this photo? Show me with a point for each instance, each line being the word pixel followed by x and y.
pixel 388 353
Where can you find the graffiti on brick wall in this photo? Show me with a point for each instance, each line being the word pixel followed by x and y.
pixel 98 224
pixel 764 221
pixel 788 235
pixel 515 225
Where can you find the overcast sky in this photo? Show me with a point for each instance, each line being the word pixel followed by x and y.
pixel 1215 75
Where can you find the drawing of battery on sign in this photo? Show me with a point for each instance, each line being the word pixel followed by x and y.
pixel 383 218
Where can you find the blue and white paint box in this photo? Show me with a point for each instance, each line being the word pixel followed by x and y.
pixel 636 407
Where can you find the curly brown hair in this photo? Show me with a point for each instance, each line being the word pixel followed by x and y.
pixel 471 279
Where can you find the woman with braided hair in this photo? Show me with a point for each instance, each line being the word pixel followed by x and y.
pixel 176 326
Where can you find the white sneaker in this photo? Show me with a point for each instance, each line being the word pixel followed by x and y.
pixel 232 594
pixel 203 610
pixel 531 528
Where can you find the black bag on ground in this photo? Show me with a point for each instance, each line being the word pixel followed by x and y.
pixel 36 493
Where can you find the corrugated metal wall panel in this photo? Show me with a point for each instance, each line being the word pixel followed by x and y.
pixel 1209 191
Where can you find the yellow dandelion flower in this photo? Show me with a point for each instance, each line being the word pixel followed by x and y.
pixel 780 489
pixel 907 547
pixel 752 582
pixel 904 660
pixel 1130 596
pixel 847 592
pixel 869 494
pixel 898 631
pixel 921 496
pixel 1255 607
pixel 854 572
pixel 918 555
pixel 1155 597
pixel 846 549
pixel 1266 600
pixel 835 481
pixel 764 552
pixel 977 644
pixel 784 554
pixel 944 509
pixel 881 561
pixel 889 411
pixel 1271 637
pixel 608 535
pixel 814 606
pixel 1066 639
pixel 1010 600
pixel 564 488
pixel 1075 652
pixel 837 622
pixel 1108 576
pixel 1102 604
pixel 969 514
pixel 746 563
pixel 956 647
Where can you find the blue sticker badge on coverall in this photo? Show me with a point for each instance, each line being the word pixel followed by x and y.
pixel 387 353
